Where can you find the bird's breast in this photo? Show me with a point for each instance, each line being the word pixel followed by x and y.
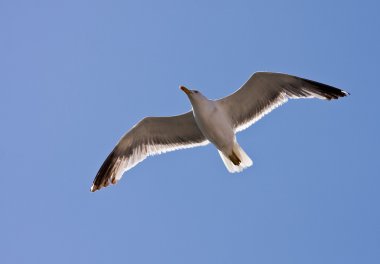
pixel 214 125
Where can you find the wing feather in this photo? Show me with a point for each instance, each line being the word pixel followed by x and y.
pixel 265 91
pixel 151 136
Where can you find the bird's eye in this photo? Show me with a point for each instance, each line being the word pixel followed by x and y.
pixel 195 91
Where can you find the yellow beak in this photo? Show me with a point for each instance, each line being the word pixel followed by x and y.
pixel 187 91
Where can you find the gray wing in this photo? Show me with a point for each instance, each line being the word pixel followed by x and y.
pixel 265 91
pixel 151 136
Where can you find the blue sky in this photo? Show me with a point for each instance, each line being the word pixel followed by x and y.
pixel 75 75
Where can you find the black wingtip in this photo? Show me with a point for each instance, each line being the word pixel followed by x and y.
pixel 102 178
pixel 94 188
pixel 327 91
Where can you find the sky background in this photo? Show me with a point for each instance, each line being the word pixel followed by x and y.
pixel 76 75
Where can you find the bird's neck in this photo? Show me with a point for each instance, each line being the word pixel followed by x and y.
pixel 203 108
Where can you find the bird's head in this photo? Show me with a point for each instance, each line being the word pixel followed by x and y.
pixel 193 95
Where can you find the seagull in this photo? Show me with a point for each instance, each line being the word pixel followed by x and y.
pixel 215 121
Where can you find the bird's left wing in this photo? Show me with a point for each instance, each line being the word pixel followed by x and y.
pixel 265 91
pixel 151 136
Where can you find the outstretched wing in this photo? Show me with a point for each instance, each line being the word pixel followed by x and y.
pixel 151 136
pixel 265 91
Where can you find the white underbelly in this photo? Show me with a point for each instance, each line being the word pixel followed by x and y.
pixel 216 128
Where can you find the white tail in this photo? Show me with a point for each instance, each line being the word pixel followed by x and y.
pixel 240 153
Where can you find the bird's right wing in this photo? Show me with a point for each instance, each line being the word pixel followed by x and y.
pixel 265 91
pixel 151 136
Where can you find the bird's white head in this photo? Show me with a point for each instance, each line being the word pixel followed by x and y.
pixel 194 95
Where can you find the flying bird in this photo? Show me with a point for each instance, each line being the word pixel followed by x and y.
pixel 215 121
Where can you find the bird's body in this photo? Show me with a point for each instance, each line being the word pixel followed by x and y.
pixel 213 124
pixel 215 121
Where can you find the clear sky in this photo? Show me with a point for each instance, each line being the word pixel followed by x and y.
pixel 76 75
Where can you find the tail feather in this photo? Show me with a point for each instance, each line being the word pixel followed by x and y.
pixel 237 161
